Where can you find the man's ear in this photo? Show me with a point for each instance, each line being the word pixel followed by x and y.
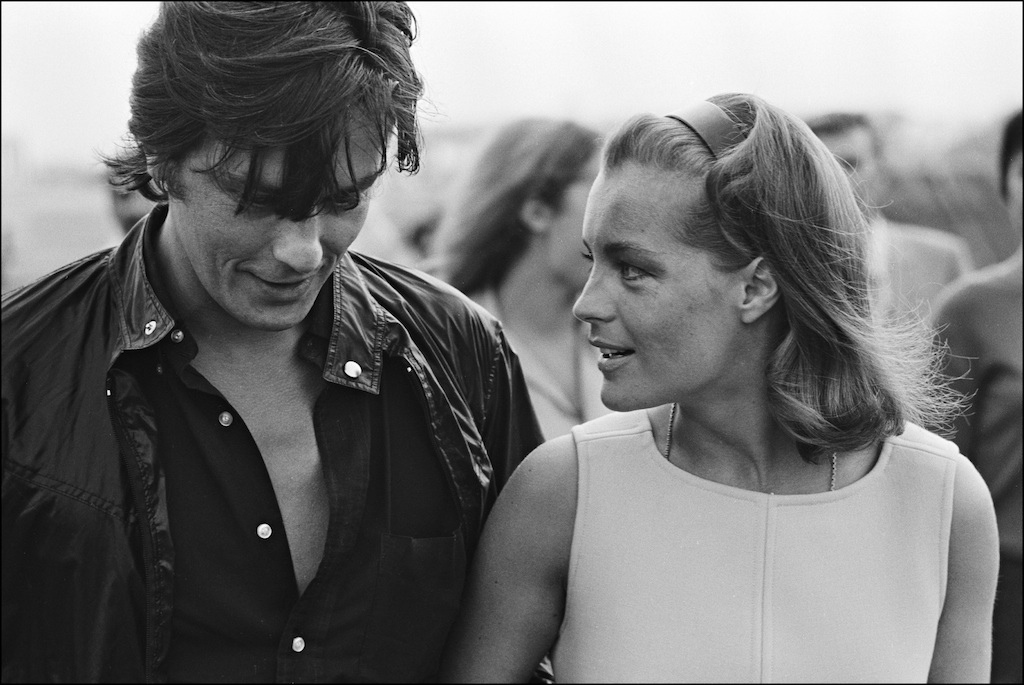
pixel 153 170
pixel 158 172
pixel 536 215
pixel 760 290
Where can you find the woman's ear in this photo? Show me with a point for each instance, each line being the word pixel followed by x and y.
pixel 536 215
pixel 760 290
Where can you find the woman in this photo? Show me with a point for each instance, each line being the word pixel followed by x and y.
pixel 510 239
pixel 766 506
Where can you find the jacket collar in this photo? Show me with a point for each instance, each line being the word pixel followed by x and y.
pixel 143 319
pixel 355 354
pixel 359 324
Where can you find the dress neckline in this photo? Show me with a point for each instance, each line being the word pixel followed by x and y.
pixel 653 455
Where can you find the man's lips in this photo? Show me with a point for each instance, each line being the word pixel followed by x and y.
pixel 285 283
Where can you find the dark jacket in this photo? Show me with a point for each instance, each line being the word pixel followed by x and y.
pixel 88 562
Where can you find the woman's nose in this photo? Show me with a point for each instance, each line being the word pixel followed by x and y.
pixel 591 305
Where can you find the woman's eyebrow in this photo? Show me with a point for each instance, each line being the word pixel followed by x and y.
pixel 625 248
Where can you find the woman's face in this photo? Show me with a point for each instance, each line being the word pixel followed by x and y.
pixel 665 319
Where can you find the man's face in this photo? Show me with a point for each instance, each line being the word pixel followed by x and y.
pixel 855 149
pixel 254 270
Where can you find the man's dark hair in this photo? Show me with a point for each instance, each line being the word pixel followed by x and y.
pixel 1010 145
pixel 255 77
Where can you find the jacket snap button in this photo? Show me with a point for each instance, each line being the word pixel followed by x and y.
pixel 225 418
pixel 264 530
pixel 177 336
pixel 298 644
pixel 150 327
pixel 352 369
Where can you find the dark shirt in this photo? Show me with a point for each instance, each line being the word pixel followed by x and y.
pixel 238 616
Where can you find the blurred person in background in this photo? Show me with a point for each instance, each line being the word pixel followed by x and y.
pixel 767 504
pixel 234 450
pixel 510 239
pixel 909 264
pixel 979 317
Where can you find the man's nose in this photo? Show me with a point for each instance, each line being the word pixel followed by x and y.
pixel 298 245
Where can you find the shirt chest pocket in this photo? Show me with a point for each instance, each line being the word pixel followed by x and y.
pixel 416 597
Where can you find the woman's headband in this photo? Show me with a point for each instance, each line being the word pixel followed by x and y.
pixel 711 124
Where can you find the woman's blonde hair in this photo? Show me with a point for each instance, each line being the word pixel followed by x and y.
pixel 840 377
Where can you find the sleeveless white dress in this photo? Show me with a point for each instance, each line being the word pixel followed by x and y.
pixel 674 578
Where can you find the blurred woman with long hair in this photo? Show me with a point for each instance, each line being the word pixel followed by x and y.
pixel 510 239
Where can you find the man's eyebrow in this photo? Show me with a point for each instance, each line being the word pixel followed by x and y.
pixel 235 182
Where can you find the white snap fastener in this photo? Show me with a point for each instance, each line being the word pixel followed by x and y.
pixel 150 327
pixel 264 530
pixel 177 336
pixel 225 418
pixel 298 644
pixel 352 369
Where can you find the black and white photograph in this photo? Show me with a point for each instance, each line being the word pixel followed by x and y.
pixel 496 342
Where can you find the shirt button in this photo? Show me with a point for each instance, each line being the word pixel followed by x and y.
pixel 352 369
pixel 225 418
pixel 150 327
pixel 298 644
pixel 177 336
pixel 264 530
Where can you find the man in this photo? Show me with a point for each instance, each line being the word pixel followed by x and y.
pixel 910 264
pixel 980 319
pixel 233 450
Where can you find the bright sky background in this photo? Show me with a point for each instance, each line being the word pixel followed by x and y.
pixel 67 66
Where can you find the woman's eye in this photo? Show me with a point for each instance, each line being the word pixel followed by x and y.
pixel 587 256
pixel 630 272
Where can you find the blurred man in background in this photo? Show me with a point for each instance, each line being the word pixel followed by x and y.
pixel 980 317
pixel 234 450
pixel 910 264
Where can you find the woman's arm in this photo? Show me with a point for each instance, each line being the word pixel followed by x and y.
pixel 515 593
pixel 963 647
